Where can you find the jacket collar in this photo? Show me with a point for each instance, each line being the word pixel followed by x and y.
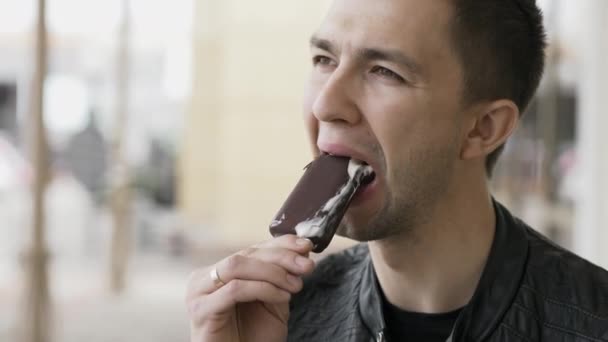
pixel 500 280
pixel 498 285
pixel 370 299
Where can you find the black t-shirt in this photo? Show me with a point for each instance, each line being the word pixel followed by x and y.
pixel 417 327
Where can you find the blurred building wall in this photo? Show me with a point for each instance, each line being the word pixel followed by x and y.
pixel 244 143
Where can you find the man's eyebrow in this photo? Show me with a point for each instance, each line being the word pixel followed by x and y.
pixel 322 44
pixel 378 54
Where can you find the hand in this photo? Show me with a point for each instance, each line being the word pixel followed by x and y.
pixel 250 301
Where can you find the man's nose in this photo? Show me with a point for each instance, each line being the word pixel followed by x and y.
pixel 336 100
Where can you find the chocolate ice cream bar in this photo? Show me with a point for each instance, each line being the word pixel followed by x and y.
pixel 317 204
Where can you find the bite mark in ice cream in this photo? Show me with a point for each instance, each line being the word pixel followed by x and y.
pixel 317 204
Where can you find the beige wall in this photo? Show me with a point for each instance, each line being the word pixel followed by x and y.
pixel 244 143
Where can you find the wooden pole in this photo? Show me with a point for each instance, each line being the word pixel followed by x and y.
pixel 120 178
pixel 36 326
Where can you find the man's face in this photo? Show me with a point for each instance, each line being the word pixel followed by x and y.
pixel 385 88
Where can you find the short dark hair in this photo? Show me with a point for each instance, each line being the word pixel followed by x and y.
pixel 501 45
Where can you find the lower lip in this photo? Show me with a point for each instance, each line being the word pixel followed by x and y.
pixel 364 194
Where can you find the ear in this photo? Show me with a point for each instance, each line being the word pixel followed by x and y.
pixel 490 127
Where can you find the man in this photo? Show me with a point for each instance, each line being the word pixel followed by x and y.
pixel 427 93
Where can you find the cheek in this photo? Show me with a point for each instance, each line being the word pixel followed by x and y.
pixel 404 126
pixel 418 150
pixel 393 125
pixel 397 141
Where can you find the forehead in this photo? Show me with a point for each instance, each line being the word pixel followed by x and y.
pixel 417 27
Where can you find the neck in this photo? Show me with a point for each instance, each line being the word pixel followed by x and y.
pixel 437 266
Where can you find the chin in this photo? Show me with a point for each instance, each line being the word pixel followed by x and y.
pixel 352 233
pixel 364 214
pixel 356 228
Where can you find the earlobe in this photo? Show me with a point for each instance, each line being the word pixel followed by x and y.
pixel 489 129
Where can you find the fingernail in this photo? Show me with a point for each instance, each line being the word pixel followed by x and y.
pixel 303 242
pixel 302 261
pixel 293 280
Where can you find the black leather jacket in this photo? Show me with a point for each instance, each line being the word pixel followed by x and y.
pixel 530 290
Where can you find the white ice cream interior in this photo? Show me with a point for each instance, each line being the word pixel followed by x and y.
pixel 314 226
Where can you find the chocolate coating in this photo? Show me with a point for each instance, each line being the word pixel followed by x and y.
pixel 320 199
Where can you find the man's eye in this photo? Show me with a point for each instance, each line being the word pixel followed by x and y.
pixel 321 60
pixel 384 72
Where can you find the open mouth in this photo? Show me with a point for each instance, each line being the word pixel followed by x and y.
pixel 368 173
pixel 368 179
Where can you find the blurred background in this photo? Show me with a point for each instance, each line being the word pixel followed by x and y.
pixel 154 136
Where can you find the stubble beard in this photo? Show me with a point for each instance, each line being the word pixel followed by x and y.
pixel 410 202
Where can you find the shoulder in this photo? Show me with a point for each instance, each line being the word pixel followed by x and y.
pixel 554 271
pixel 563 292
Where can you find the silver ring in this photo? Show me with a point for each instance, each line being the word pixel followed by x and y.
pixel 217 281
